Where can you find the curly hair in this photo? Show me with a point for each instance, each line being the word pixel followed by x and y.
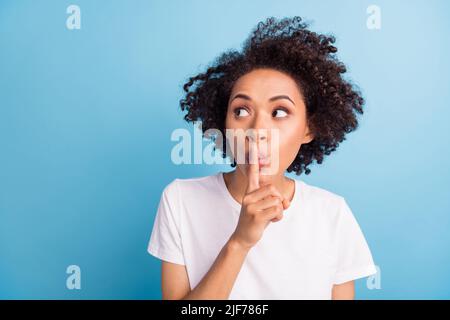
pixel 286 45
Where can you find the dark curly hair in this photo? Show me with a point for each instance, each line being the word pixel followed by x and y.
pixel 309 58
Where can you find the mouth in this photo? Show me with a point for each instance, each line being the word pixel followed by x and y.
pixel 264 162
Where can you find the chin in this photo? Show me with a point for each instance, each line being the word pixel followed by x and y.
pixel 267 174
pixel 269 171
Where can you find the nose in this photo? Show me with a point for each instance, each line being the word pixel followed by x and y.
pixel 257 135
pixel 259 129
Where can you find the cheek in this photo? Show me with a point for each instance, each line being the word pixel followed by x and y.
pixel 290 137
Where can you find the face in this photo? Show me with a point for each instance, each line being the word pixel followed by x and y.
pixel 270 104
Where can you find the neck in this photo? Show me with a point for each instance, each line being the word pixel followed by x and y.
pixel 236 182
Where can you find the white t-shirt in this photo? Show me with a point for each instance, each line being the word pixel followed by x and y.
pixel 318 242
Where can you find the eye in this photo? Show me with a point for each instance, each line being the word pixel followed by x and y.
pixel 280 113
pixel 241 112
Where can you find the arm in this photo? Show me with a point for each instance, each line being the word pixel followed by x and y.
pixel 216 284
pixel 174 281
pixel 344 291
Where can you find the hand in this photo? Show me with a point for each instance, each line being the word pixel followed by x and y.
pixel 260 205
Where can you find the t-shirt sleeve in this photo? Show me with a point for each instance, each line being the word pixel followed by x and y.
pixel 354 259
pixel 165 240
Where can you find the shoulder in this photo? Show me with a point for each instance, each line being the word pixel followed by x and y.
pixel 318 194
pixel 190 185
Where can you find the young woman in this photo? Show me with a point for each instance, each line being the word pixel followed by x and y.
pixel 248 235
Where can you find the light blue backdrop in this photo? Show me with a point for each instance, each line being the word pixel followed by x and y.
pixel 86 117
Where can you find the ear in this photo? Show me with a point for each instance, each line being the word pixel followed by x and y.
pixel 308 137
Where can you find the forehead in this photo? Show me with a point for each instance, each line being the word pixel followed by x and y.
pixel 267 82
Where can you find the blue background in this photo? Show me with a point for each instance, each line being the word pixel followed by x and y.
pixel 86 117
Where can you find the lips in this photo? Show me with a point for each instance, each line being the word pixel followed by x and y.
pixel 264 161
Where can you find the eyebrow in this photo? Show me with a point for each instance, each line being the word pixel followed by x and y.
pixel 246 97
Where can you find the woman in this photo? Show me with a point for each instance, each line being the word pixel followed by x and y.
pixel 253 233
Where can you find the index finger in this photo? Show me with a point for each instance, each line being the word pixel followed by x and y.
pixel 253 167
